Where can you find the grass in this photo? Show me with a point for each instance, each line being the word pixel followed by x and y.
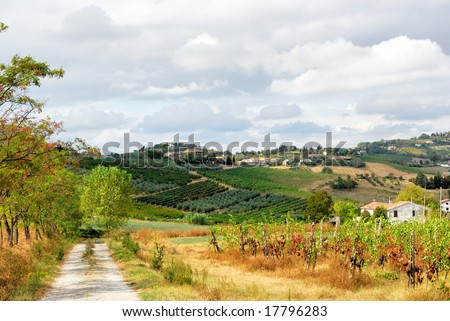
pixel 288 182
pixel 136 225
pixel 190 240
pixel 27 270
pixel 143 211
pixel 395 161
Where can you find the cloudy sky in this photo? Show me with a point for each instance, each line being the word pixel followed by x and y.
pixel 237 70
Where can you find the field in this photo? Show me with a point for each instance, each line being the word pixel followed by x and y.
pixel 184 193
pixel 259 192
pixel 240 194
pixel 232 276
pixel 394 161
pixel 151 180
pixel 294 182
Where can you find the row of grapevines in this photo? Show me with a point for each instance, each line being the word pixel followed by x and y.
pixel 173 197
pixel 420 249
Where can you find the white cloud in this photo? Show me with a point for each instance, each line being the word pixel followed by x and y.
pixel 91 118
pixel 299 127
pixel 138 56
pixel 203 39
pixel 279 111
pixel 92 23
pixel 193 87
pixel 191 118
pixel 334 67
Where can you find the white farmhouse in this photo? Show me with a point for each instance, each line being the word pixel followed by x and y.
pixel 399 211
pixel 445 205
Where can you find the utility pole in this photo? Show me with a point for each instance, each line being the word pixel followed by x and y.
pixel 424 200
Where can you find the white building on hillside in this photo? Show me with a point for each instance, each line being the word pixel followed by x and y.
pixel 400 211
pixel 445 205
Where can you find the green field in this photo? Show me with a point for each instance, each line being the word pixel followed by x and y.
pixel 136 225
pixel 143 211
pixel 263 179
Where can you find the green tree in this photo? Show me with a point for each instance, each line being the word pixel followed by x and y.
pixel 320 206
pixel 346 210
pixel 365 215
pixel 421 180
pixel 105 197
pixel 416 194
pixel 26 153
pixel 380 212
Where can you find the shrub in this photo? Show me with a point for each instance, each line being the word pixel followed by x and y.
pixel 340 183
pixel 90 232
pixel 14 269
pixel 327 170
pixel 199 219
pixel 158 256
pixel 60 253
pixel 178 272
pixel 128 243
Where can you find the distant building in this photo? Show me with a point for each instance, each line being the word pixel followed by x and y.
pixel 252 162
pixel 197 152
pixel 399 211
pixel 172 155
pixel 445 205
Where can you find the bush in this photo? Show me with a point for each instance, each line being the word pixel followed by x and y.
pixel 327 170
pixel 158 256
pixel 199 219
pixel 90 232
pixel 15 267
pixel 178 272
pixel 128 243
pixel 60 253
pixel 343 184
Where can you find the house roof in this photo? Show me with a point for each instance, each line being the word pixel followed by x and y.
pixel 192 150
pixel 372 206
pixel 445 200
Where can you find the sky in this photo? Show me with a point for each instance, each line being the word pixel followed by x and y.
pixel 235 71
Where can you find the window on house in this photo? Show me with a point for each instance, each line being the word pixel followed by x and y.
pixel 395 213
pixel 414 213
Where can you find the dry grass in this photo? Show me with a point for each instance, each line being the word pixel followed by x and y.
pixel 145 237
pixel 27 269
pixel 287 278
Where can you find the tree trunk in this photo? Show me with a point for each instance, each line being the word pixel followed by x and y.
pixel 26 230
pixel 9 233
pixel 1 235
pixel 16 234
pixel 266 246
pixel 38 234
pixel 242 240
pixel 412 265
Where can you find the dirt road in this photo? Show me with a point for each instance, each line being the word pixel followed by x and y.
pixel 80 281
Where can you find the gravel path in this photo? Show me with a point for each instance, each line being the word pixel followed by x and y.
pixel 78 281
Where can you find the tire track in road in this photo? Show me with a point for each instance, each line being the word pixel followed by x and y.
pixel 79 281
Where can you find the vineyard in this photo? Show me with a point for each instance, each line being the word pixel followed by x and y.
pixel 174 175
pixel 184 193
pixel 218 201
pixel 419 250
